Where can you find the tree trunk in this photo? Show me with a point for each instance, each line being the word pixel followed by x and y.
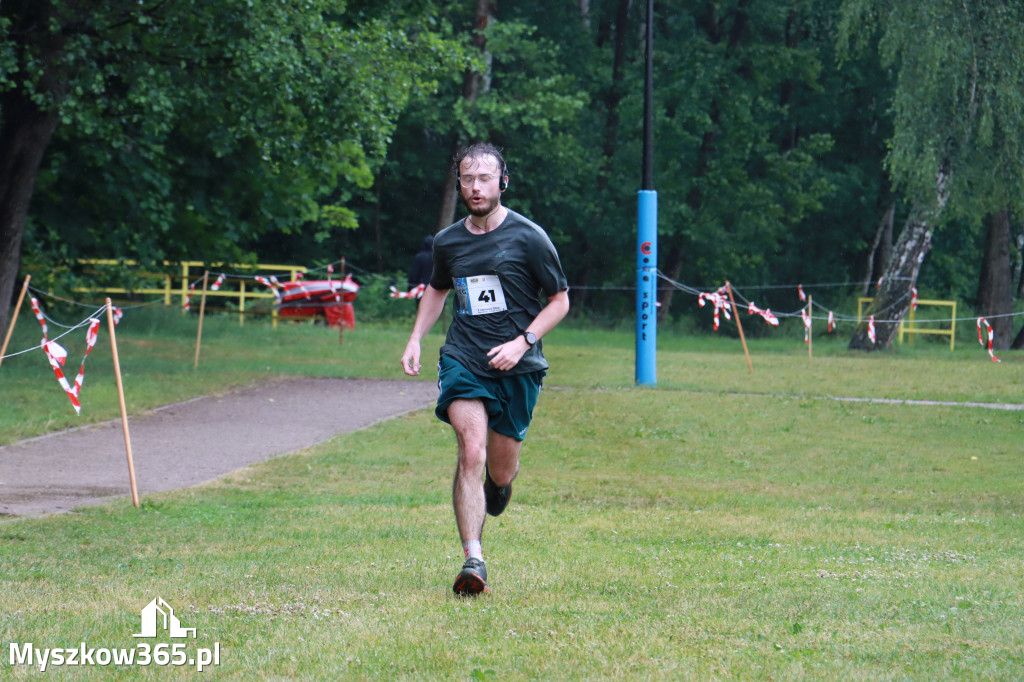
pixel 1018 343
pixel 378 238
pixel 1019 274
pixel 612 100
pixel 585 14
pixel 893 298
pixel 25 134
pixel 473 84
pixel 995 286
pixel 881 249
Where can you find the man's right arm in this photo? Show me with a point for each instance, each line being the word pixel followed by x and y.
pixel 431 305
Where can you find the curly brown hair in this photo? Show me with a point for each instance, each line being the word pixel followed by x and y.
pixel 479 149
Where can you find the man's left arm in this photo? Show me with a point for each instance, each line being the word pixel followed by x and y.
pixel 507 355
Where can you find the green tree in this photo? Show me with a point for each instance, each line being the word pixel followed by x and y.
pixel 189 127
pixel 515 93
pixel 746 170
pixel 768 158
pixel 743 158
pixel 957 111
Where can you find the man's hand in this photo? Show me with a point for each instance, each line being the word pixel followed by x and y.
pixel 507 355
pixel 430 309
pixel 411 358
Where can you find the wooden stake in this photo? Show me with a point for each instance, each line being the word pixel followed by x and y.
pixel 202 314
pixel 14 317
pixel 739 326
pixel 124 411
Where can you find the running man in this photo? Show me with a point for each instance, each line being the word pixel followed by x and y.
pixel 491 367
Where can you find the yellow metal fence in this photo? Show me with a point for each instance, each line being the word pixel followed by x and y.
pixel 240 290
pixel 910 326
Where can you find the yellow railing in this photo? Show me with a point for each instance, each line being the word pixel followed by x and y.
pixel 177 285
pixel 908 327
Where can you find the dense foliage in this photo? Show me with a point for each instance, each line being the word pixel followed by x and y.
pixel 307 131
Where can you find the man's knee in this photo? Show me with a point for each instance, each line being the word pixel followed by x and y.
pixel 472 457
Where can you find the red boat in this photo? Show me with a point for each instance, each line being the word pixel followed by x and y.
pixel 328 298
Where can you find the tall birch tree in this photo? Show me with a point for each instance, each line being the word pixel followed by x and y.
pixel 957 105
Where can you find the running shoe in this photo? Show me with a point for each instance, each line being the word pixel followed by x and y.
pixel 472 579
pixel 496 496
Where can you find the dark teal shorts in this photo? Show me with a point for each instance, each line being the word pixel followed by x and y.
pixel 509 400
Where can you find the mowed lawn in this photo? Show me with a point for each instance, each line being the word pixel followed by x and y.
pixel 719 525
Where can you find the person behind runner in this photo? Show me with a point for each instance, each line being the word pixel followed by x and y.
pixel 422 264
pixel 491 364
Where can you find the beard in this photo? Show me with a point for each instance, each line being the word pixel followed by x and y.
pixel 481 210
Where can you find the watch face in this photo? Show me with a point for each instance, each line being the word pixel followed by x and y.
pixel 531 338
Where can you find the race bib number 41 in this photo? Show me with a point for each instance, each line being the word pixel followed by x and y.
pixel 480 295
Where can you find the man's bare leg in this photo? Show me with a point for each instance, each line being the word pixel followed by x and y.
pixel 469 420
pixel 502 457
pixel 502 467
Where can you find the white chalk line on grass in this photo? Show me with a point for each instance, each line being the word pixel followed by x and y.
pixel 1012 407
pixel 892 401
pixel 938 403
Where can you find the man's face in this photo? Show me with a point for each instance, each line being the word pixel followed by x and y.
pixel 479 180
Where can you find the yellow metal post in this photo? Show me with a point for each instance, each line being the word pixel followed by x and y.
pixel 184 284
pixel 952 327
pixel 241 303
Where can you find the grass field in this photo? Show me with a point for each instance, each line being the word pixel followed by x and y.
pixel 721 525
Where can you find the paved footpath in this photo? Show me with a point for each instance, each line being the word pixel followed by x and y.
pixel 188 443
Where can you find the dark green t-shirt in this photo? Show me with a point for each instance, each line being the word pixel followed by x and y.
pixel 498 279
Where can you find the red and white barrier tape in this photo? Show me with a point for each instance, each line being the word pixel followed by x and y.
pixel 192 288
pixel 39 315
pixel 800 292
pixel 298 278
pixel 983 321
pixel 57 355
pixel 90 341
pixel 766 314
pixel 831 322
pixel 347 285
pixel 719 300
pixel 330 271
pixel 415 292
pixel 272 284
pixel 913 298
pixel 871 328
pixel 806 317
pixel 188 297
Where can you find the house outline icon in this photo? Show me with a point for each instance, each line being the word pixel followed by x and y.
pixel 158 610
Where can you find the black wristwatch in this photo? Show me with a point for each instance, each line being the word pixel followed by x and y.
pixel 531 338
